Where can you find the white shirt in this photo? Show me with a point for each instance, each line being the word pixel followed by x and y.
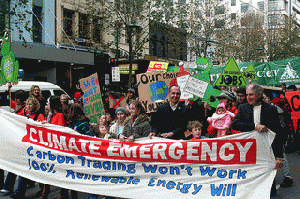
pixel 256 114
pixel 173 107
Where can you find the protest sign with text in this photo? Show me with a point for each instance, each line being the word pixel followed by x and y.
pixel 154 87
pixel 235 166
pixel 92 99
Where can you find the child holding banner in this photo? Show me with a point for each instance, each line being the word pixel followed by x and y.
pixel 221 120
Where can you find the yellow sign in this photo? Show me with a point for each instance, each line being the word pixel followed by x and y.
pixel 157 67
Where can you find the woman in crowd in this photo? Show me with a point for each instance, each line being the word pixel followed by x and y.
pixel 117 128
pixel 55 117
pixel 35 92
pixel 78 121
pixel 137 124
pixel 31 111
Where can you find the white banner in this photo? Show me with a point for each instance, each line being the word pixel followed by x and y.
pixel 235 166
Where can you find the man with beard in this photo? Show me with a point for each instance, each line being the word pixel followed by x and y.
pixel 171 118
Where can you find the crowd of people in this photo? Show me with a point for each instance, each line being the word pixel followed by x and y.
pixel 240 110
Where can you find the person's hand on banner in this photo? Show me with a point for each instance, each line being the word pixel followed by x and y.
pixel 278 163
pixel 261 128
pixel 167 135
pixel 130 139
pixel 122 138
pixel 151 135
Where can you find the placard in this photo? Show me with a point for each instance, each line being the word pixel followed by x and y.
pixel 92 99
pixel 115 74
pixel 157 67
pixel 153 88
pixel 196 87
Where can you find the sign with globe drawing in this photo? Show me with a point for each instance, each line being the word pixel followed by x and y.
pixel 154 87
pixel 231 75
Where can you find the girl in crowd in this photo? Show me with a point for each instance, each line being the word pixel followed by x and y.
pixel 78 121
pixel 117 128
pixel 221 120
pixel 31 111
pixel 137 124
pixel 35 92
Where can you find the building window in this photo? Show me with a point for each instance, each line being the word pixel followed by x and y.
pixel 198 2
pixel 220 10
pixel 97 29
pixel 272 19
pixel 219 23
pixel 233 16
pixel 233 2
pixel 273 4
pixel 261 5
pixel 244 7
pixel 37 20
pixel 84 26
pixel 68 22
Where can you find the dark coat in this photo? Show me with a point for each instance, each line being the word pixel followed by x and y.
pixel 165 120
pixel 244 122
pixel 139 128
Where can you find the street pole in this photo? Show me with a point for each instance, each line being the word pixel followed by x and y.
pixel 130 57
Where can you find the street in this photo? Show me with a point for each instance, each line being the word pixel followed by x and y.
pixel 282 193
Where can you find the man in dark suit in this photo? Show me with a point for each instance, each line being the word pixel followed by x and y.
pixel 171 118
pixel 260 116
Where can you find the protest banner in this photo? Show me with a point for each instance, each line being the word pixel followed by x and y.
pixel 154 87
pixel 157 67
pixel 294 100
pixel 92 99
pixel 235 166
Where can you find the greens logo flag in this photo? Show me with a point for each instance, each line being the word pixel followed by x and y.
pixel 9 65
pixel 231 75
pixel 250 73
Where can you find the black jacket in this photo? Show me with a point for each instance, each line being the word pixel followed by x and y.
pixel 244 122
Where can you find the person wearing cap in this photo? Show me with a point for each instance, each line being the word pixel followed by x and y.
pixel 256 115
pixel 227 98
pixel 77 95
pixel 241 97
pixel 117 128
pixel 130 96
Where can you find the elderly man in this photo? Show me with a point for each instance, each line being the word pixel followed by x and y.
pixel 260 116
pixel 171 118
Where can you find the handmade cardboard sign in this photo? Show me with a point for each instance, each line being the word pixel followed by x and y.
pixel 115 103
pixel 157 67
pixel 92 99
pixel 231 75
pixel 153 88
